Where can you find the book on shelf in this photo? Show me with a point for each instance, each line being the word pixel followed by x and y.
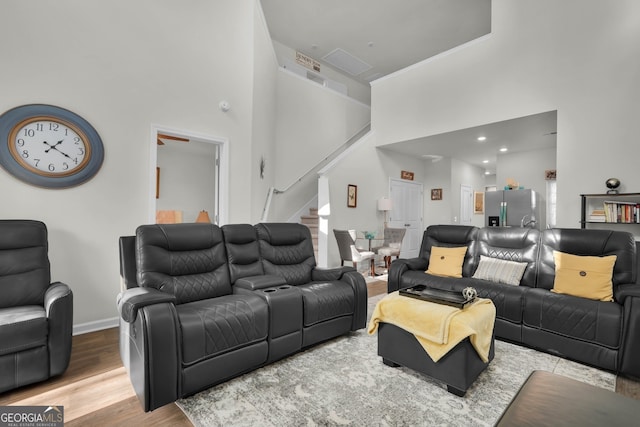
pixel 598 215
pixel 619 212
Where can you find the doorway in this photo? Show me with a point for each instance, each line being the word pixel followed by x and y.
pixel 466 204
pixel 188 179
pixel 406 212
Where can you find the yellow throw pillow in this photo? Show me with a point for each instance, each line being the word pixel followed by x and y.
pixel 446 261
pixel 584 276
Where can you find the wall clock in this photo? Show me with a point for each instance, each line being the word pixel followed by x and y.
pixel 49 146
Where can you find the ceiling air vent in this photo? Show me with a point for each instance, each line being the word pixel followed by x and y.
pixel 346 62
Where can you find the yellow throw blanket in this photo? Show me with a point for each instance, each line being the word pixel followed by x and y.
pixel 438 327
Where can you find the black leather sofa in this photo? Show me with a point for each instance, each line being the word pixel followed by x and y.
pixel 598 333
pixel 202 304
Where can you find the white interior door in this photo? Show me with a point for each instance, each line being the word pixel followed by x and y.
pixel 466 204
pixel 406 212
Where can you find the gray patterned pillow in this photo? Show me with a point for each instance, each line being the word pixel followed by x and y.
pixel 500 270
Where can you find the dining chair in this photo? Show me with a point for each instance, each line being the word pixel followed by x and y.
pixel 391 246
pixel 349 252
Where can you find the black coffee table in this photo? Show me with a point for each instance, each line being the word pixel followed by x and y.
pixel 547 399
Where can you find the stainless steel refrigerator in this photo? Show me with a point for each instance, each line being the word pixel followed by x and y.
pixel 512 208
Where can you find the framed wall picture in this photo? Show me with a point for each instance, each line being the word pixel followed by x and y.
pixel 352 196
pixel 478 202
pixel 436 194
pixel 406 175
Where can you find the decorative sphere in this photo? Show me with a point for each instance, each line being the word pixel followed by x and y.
pixel 613 183
pixel 469 293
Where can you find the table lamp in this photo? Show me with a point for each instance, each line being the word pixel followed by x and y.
pixel 384 205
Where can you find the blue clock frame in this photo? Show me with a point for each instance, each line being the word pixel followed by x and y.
pixel 11 118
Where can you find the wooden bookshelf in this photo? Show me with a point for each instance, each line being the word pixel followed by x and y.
pixel 622 208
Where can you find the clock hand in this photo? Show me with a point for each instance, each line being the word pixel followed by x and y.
pixel 54 147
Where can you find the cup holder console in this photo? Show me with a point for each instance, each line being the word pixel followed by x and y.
pixel 285 320
pixel 271 290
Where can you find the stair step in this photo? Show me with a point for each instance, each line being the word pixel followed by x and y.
pixel 312 222
pixel 308 219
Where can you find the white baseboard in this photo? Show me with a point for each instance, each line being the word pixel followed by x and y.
pixel 96 325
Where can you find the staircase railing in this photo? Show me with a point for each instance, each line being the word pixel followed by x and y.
pixel 273 191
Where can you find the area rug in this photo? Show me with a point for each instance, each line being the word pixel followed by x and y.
pixel 344 382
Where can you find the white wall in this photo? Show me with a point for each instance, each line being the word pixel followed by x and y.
pixel 355 89
pixel 123 66
pixel 578 57
pixel 312 122
pixel 438 175
pixel 265 72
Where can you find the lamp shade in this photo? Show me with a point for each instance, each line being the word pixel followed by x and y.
pixel 203 216
pixel 384 204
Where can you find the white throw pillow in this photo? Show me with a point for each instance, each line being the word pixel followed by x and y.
pixel 500 270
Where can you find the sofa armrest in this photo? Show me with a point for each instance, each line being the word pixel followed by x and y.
pixel 359 287
pixel 150 345
pixel 621 292
pixel 398 268
pixel 253 283
pixel 58 304
pixel 132 300
pixel 629 357
pixel 327 274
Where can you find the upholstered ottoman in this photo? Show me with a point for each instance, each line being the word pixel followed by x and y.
pixel 458 369
pixel 450 344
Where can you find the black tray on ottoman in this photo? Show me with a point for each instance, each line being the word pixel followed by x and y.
pixel 452 298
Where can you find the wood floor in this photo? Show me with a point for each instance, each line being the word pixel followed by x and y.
pixel 95 390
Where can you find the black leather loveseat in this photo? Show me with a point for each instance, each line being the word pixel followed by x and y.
pixel 605 334
pixel 203 304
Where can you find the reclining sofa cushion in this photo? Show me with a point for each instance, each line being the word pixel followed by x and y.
pixel 591 321
pixel 512 244
pixel 186 260
pixel 451 236
pixel 324 301
pixel 24 263
pixel 286 251
pixel 22 328
pixel 243 251
pixel 219 325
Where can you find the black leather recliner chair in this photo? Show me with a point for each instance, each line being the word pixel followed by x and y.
pixel 36 316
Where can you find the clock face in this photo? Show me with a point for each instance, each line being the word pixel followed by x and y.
pixel 49 147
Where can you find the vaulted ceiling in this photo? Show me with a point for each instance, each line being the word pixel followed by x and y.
pixel 388 35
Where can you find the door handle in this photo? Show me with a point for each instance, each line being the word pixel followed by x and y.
pixel 407 225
